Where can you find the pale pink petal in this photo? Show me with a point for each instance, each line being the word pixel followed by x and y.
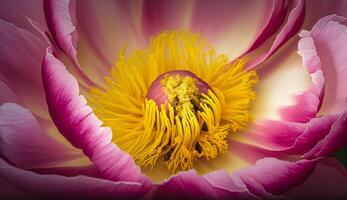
pixel 308 103
pixel 21 54
pixel 227 25
pixel 329 35
pixel 62 187
pixel 105 28
pixel 26 144
pixel 81 127
pixel 294 22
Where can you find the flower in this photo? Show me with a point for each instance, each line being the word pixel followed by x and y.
pixel 189 108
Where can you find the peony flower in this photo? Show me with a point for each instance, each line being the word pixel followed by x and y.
pixel 172 99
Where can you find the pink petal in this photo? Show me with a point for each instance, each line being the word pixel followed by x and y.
pixel 26 144
pixel 215 185
pixel 227 25
pixel 21 54
pixel 265 179
pixel 329 35
pixel 328 181
pixel 61 20
pixel 16 12
pixel 270 25
pixel 308 103
pixel 62 187
pixel 274 176
pixel 295 20
pixel 81 127
pixel 6 94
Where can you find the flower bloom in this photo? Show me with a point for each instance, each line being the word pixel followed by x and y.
pixel 172 99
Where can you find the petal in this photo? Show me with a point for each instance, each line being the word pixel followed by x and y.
pixel 274 176
pixel 308 103
pixel 81 127
pixel 26 144
pixel 295 21
pixel 328 171
pixel 6 94
pixel 68 187
pixel 227 25
pixel 215 185
pixel 329 35
pixel 16 12
pixel 21 55
pixel 61 20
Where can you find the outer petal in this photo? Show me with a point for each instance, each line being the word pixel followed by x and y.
pixel 215 185
pixel 274 176
pixel 61 187
pixel 328 181
pixel 6 94
pixel 24 142
pixel 21 54
pixel 267 177
pixel 81 127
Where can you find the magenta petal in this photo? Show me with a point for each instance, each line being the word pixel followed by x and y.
pixel 328 181
pixel 295 20
pixel 26 144
pixel 274 176
pixel 215 185
pixel 81 127
pixel 62 187
pixel 272 22
pixel 6 94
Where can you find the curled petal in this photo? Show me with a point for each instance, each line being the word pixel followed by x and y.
pixel 77 122
pixel 295 21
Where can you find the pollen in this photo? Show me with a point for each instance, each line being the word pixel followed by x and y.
pixel 175 101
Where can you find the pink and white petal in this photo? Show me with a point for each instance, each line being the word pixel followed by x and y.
pixel 329 35
pixel 63 187
pixel 215 185
pixel 308 103
pixel 273 176
pixel 77 122
pixel 105 29
pixel 226 24
pixel 21 54
pixel 294 22
pixel 328 171
pixel 17 11
pixel 26 144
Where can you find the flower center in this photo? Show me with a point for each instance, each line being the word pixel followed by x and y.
pixel 174 102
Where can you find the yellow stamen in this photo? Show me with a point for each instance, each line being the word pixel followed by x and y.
pixel 196 118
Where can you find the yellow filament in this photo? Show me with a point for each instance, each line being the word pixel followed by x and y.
pixel 174 134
